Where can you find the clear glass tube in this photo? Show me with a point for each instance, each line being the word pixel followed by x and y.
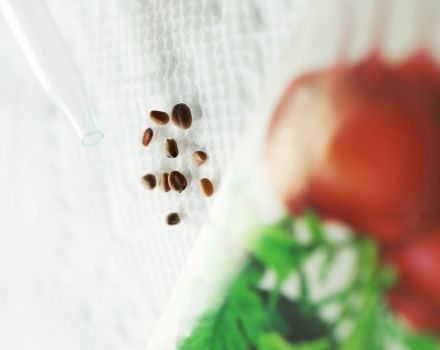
pixel 47 54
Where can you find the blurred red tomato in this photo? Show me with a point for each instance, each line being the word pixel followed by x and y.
pixel 418 267
pixel 414 310
pixel 362 144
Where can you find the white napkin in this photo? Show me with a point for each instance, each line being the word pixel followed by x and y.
pixel 86 261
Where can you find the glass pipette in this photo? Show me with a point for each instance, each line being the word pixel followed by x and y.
pixel 52 63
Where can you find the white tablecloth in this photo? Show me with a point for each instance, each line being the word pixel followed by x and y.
pixel 86 261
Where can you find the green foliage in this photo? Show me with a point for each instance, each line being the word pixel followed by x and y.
pixel 249 318
pixel 315 227
pixel 235 321
pixel 273 341
pixel 408 339
pixel 276 249
pixel 238 322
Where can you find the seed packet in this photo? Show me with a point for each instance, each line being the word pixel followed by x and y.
pixel 326 232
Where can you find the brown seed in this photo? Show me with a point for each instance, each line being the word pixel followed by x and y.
pixel 181 116
pixel 159 117
pixel 177 181
pixel 171 148
pixel 206 187
pixel 199 158
pixel 149 181
pixel 148 136
pixel 173 219
pixel 163 182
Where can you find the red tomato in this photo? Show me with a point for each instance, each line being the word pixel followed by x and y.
pixel 414 311
pixel 361 144
pixel 418 267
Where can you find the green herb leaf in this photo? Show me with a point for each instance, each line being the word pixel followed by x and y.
pixel 235 322
pixel 245 314
pixel 410 339
pixel 315 228
pixel 249 318
pixel 274 341
pixel 276 249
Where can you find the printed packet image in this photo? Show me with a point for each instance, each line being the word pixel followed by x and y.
pixel 326 232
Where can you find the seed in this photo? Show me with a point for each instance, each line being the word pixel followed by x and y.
pixel 199 158
pixel 159 117
pixel 171 148
pixel 163 182
pixel 181 116
pixel 206 187
pixel 149 181
pixel 177 181
pixel 148 136
pixel 173 219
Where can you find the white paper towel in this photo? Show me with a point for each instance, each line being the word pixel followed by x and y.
pixel 86 261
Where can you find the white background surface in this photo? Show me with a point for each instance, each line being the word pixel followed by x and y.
pixel 86 261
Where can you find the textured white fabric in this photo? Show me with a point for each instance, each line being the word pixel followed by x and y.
pixel 86 261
